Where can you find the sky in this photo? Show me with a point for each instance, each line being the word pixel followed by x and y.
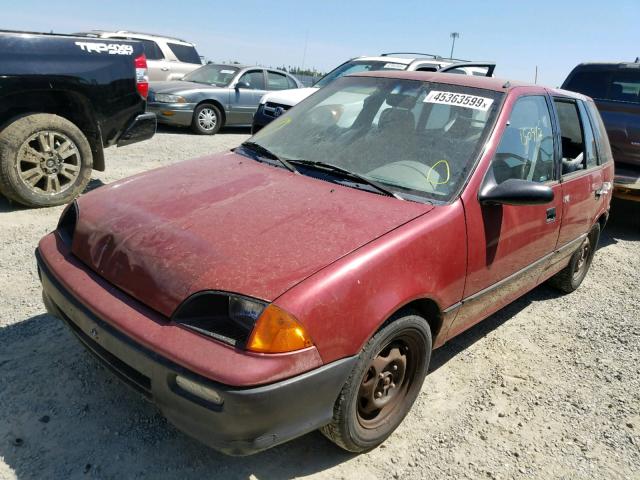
pixel 552 35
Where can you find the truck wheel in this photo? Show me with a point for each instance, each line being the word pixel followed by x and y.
pixel 569 279
pixel 382 386
pixel 45 160
pixel 207 119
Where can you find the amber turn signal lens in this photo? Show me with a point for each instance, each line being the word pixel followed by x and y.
pixel 276 331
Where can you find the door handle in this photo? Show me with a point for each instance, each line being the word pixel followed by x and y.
pixel 165 69
pixel 602 189
pixel 551 214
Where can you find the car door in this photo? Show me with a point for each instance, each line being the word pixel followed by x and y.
pixel 508 245
pixel 245 96
pixel 583 189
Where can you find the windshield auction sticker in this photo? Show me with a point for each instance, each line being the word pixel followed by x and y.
pixel 459 100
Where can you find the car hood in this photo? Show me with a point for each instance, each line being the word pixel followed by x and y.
pixel 228 223
pixel 179 86
pixel 289 97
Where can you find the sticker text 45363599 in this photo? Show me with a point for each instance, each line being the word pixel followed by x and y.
pixel 459 99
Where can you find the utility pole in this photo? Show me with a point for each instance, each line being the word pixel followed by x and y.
pixel 304 55
pixel 453 36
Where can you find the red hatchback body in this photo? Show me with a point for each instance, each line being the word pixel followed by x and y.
pixel 254 304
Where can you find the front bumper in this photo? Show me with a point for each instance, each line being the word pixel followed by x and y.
pixel 262 118
pixel 143 127
pixel 178 114
pixel 247 420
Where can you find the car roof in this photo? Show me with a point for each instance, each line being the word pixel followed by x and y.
pixel 248 67
pixel 608 65
pixel 473 81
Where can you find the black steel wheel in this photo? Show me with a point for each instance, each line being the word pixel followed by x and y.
pixel 569 279
pixel 383 385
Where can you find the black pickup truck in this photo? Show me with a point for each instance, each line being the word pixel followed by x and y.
pixel 63 99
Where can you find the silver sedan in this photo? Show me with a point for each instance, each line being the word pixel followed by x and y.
pixel 215 95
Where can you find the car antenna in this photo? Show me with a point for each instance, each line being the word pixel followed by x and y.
pixel 507 84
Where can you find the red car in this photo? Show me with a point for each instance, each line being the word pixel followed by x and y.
pixel 303 280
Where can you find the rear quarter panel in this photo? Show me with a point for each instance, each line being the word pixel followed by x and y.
pixel 343 305
pixel 31 63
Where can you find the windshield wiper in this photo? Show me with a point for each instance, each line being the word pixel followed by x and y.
pixel 265 152
pixel 348 173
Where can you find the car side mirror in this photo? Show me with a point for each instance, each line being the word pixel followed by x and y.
pixel 240 85
pixel 514 192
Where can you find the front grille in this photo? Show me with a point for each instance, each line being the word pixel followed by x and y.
pixel 274 110
pixel 125 372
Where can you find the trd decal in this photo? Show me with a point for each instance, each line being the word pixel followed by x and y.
pixel 110 48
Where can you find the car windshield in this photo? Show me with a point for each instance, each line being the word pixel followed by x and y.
pixel 417 139
pixel 218 75
pixel 358 66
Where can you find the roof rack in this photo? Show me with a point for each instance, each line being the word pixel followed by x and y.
pixel 430 55
pixel 124 32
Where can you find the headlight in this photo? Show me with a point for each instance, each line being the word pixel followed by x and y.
pixel 242 322
pixel 67 223
pixel 166 98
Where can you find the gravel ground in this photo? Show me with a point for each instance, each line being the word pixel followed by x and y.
pixel 549 387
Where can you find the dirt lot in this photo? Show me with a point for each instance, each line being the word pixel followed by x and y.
pixel 547 388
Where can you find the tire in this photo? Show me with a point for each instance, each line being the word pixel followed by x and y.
pixel 383 385
pixel 45 160
pixel 207 119
pixel 569 279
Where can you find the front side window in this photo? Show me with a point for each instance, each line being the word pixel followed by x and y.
pixel 573 148
pixel 419 139
pixel 254 78
pixel 216 75
pixel 525 151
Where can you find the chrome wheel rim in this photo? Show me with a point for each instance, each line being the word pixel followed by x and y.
pixel 207 119
pixel 48 162
pixel 583 259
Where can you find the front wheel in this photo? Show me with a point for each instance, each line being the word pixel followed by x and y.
pixel 207 119
pixel 45 160
pixel 382 386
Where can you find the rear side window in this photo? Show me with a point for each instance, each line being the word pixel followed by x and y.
pixel 292 83
pixel 185 53
pixel 276 81
pixel 620 85
pixel 526 149
pixel 151 49
pixel 573 151
pixel 589 137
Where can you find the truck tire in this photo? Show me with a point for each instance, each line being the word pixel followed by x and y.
pixel 383 385
pixel 207 119
pixel 45 160
pixel 570 277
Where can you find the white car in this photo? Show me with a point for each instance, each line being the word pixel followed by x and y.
pixel 168 58
pixel 274 104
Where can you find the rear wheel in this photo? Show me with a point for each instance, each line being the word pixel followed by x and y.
pixel 45 160
pixel 383 385
pixel 570 278
pixel 207 119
